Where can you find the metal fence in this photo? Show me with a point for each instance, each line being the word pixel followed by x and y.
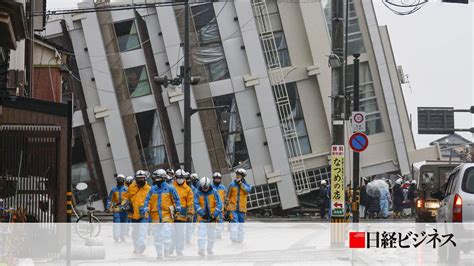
pixel 29 169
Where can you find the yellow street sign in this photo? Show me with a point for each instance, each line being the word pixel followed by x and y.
pixel 337 181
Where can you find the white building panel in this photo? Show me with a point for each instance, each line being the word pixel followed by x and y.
pixel 113 122
pixel 171 37
pixel 392 108
pixel 248 110
pixel 236 57
pixel 258 153
pixel 133 58
pixel 101 139
pixel 144 103
pixel 266 103
pixel 122 15
pixel 154 29
pixel 280 164
pixel 79 43
pixel 225 12
pixel 108 169
pixel 89 87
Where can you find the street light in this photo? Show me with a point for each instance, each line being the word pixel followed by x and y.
pixel 189 111
pixel 334 61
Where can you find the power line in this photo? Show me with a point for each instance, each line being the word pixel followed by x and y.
pixel 96 9
pixel 414 6
pixel 167 70
pixel 94 87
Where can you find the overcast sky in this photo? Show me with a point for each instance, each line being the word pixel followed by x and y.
pixel 434 46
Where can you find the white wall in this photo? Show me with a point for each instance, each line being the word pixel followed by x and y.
pixel 106 95
pixel 266 104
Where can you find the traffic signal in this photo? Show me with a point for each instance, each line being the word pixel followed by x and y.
pixel 456 1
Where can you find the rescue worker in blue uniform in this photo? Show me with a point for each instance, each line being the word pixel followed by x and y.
pixel 194 181
pixel 236 205
pixel 170 177
pixel 162 202
pixel 120 228
pixel 208 206
pixel 222 191
pixel 191 180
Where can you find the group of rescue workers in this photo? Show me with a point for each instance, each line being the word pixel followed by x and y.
pixel 172 204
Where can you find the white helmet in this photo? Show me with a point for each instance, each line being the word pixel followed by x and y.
pixel 140 173
pixel 180 173
pixel 205 183
pixel 194 176
pixel 407 182
pixel 399 181
pixel 129 178
pixel 241 172
pixel 159 173
pixel 323 182
pixel 170 171
pixel 413 182
pixel 120 177
pixel 217 175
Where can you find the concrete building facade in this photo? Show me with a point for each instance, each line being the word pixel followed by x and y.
pixel 266 60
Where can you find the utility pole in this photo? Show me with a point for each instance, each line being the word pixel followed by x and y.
pixel 187 80
pixel 336 62
pixel 187 92
pixel 356 165
pixel 337 74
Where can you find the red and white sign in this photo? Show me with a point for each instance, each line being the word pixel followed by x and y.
pixel 358 121
pixel 358 142
pixel 337 150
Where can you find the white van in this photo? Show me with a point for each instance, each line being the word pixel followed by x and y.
pixel 456 212
pixel 457 205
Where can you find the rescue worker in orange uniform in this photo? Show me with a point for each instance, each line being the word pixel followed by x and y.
pixel 186 197
pixel 236 205
pixel 133 201
pixel 128 180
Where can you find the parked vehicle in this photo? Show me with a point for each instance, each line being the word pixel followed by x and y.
pixel 431 180
pixel 456 210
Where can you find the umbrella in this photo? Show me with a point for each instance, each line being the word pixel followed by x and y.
pixel 373 188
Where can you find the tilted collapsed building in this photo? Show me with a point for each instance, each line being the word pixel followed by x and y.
pixel 266 60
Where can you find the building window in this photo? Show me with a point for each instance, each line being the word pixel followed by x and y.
pixel 127 35
pixel 367 97
pixel 150 140
pixel 208 51
pixel 232 133
pixel 137 81
pixel 295 112
pixel 224 135
pixel 263 196
pixel 355 41
pixel 317 175
pixel 80 170
pixel 279 48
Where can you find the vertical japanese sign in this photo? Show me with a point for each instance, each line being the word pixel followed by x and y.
pixel 337 181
